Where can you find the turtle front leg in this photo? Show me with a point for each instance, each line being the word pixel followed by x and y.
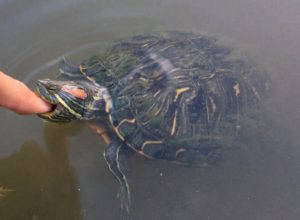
pixel 112 157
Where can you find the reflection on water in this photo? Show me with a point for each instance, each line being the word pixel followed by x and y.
pixel 40 174
pixel 40 184
pixel 4 191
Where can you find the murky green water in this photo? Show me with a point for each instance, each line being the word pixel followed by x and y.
pixel 57 172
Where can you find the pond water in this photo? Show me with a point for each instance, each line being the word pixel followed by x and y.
pixel 57 171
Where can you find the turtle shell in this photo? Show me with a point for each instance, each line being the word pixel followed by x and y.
pixel 177 96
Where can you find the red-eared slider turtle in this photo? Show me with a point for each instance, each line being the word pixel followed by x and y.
pixel 173 95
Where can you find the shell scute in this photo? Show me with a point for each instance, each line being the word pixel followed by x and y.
pixel 178 96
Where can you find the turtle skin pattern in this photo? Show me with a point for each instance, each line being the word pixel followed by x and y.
pixel 177 96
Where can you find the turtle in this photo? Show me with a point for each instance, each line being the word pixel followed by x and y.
pixel 173 95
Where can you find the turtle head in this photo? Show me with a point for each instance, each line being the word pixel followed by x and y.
pixel 73 100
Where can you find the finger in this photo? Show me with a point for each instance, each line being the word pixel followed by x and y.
pixel 17 97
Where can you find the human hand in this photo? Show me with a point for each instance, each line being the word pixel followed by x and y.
pixel 16 96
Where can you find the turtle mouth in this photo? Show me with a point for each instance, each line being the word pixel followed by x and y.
pixel 42 91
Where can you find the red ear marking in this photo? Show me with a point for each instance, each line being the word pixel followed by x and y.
pixel 78 93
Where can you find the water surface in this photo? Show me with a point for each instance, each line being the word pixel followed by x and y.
pixel 57 172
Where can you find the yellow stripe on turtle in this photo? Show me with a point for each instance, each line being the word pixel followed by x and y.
pixel 180 150
pixel 108 106
pixel 144 145
pixel 131 121
pixel 150 142
pixel 116 129
pixel 91 79
pixel 174 124
pixel 155 94
pixel 144 79
pixel 209 77
pixel 67 107
pixel 179 91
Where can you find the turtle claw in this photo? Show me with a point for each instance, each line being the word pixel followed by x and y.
pixel 123 195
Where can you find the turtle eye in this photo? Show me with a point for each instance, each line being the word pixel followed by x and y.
pixel 75 91
pixel 52 87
